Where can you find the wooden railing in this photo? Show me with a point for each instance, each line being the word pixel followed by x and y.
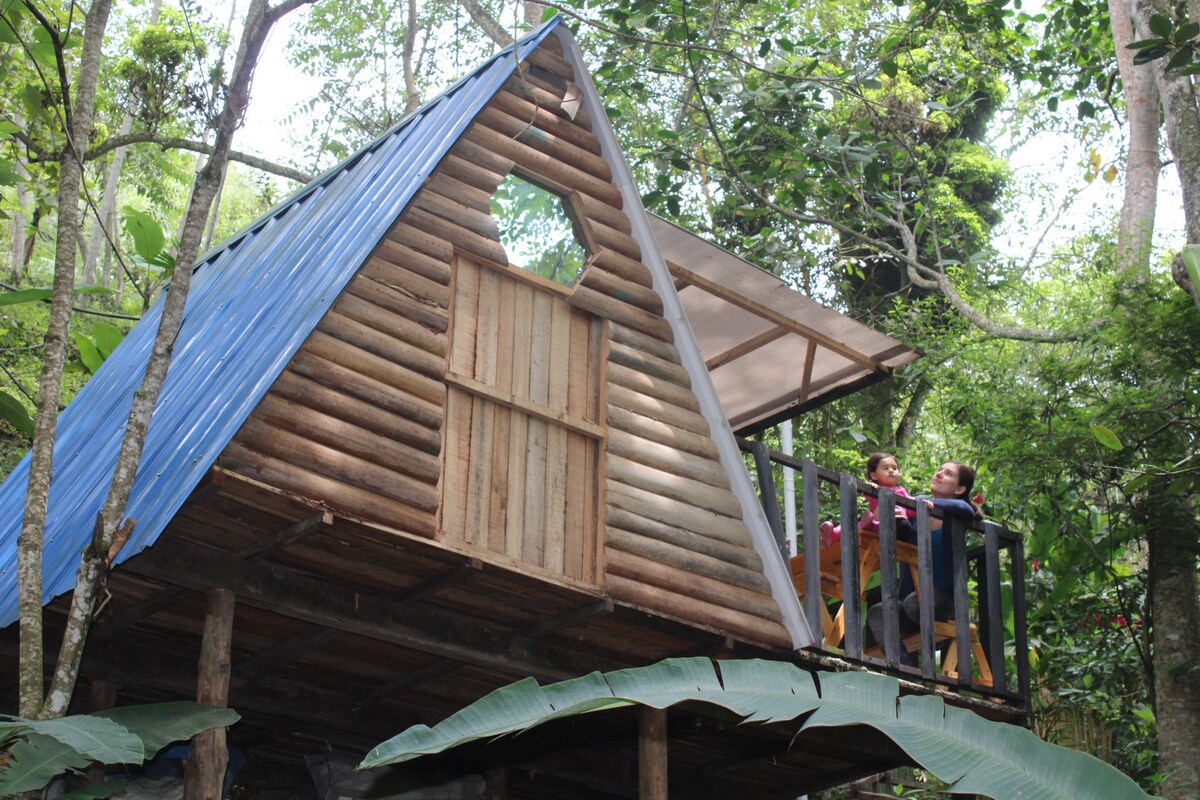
pixel 988 570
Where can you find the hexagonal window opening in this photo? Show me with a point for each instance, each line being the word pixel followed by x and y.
pixel 539 231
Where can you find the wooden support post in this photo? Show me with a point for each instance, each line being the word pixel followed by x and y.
pixel 204 771
pixel 497 782
pixel 652 754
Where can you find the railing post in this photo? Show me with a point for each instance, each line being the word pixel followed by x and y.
pixel 994 633
pixel 812 546
pixel 851 569
pixel 925 588
pixel 1021 633
pixel 770 502
pixel 886 513
pixel 956 529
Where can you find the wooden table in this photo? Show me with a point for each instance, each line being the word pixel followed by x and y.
pixel 834 626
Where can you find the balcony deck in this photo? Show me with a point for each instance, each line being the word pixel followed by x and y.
pixel 982 650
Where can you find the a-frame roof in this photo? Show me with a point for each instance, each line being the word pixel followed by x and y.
pixel 253 302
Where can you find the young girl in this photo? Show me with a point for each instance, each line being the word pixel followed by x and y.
pixel 883 472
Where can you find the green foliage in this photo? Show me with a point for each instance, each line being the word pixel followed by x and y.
pixel 163 74
pixel 970 753
pixel 536 230
pixel 37 751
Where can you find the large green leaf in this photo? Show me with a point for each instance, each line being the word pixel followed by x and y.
pixel 48 748
pixel 971 754
pixel 34 761
pixel 94 738
pixel 15 414
pixel 159 724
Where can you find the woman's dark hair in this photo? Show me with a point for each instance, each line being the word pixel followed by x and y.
pixel 966 479
pixel 874 459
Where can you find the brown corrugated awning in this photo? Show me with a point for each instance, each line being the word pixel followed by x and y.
pixel 772 352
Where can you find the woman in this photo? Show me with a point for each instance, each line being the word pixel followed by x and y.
pixel 949 489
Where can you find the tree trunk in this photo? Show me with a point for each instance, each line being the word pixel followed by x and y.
pixel 1138 209
pixel 111 528
pixel 29 557
pixel 104 232
pixel 1173 538
pixel 17 249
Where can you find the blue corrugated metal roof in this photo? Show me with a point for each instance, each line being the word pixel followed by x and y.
pixel 254 300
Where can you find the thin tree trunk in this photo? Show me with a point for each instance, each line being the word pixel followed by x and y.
pixel 111 529
pixel 29 558
pixel 1136 231
pixel 17 248
pixel 1173 538
pixel 103 232
pixel 1181 118
pixel 412 92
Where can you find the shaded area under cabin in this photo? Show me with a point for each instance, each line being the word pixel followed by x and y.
pixel 426 467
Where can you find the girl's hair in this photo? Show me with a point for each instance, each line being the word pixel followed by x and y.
pixel 874 459
pixel 966 479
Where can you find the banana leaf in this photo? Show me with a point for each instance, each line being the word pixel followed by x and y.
pixel 971 754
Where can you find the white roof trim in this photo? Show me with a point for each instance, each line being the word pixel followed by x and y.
pixel 777 571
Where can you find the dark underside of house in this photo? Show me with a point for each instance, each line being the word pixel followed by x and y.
pixel 345 634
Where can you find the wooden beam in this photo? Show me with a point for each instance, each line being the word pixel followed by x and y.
pixel 748 346
pixel 335 605
pixel 288 536
pixel 435 585
pixel 285 652
pixel 204 770
pixel 652 754
pixel 771 315
pixel 810 353
pixel 570 619
pixel 151 605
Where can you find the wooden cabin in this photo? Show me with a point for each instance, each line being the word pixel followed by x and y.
pixel 457 413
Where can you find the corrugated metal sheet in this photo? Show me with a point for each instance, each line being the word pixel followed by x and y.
pixel 253 302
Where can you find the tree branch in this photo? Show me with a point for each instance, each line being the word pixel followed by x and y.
pixel 197 147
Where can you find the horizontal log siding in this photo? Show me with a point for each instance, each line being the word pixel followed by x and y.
pixel 413 402
pixel 355 421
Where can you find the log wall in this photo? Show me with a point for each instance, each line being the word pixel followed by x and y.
pixel 452 396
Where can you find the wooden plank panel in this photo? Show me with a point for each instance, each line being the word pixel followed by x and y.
pixel 539 349
pixel 577 369
pixel 577 498
pixel 497 519
pixel 518 454
pixel 464 316
pixel 456 463
pixel 556 497
pixel 533 539
pixel 505 309
pixel 522 338
pixel 487 325
pixel 560 355
pixel 479 480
